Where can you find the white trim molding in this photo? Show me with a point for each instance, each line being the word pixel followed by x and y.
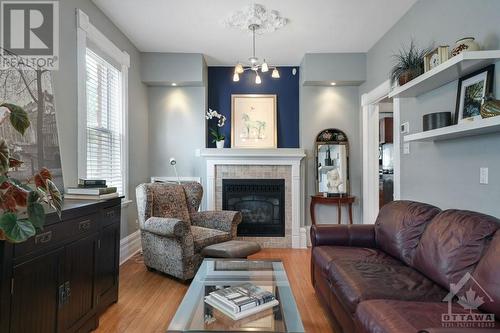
pixel 370 115
pixel 88 32
pixel 129 246
pixel 281 156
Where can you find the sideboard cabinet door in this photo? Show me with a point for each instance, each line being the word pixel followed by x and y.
pixel 80 259
pixel 34 290
pixel 108 266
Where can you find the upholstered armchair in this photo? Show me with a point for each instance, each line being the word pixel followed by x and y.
pixel 173 232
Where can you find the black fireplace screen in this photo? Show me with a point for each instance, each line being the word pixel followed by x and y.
pixel 262 203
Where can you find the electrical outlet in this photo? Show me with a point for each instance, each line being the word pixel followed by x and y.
pixel 406 148
pixel 483 176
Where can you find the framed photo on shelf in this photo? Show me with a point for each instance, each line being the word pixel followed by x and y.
pixel 253 121
pixel 472 89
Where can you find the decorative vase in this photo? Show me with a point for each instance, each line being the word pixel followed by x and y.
pixel 490 108
pixel 465 44
pixel 220 144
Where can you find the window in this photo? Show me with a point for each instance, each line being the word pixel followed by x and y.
pixel 102 107
pixel 104 128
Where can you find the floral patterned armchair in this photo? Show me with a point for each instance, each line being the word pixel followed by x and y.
pixel 173 231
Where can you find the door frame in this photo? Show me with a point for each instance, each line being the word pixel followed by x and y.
pixel 370 134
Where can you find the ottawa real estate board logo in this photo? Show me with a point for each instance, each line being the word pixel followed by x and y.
pixel 29 37
pixel 470 296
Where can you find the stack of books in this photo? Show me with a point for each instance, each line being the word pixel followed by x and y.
pixel 91 189
pixel 241 301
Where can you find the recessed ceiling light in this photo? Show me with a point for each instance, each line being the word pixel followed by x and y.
pixel 333 83
pixel 174 84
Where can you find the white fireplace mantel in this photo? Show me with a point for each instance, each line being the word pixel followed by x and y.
pixel 280 156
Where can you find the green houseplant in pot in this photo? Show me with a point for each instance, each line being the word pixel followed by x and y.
pixel 22 202
pixel 219 138
pixel 409 64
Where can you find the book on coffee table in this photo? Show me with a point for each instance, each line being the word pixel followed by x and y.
pixel 241 301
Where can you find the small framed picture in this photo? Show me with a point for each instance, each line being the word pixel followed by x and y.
pixel 253 121
pixel 436 57
pixel 472 89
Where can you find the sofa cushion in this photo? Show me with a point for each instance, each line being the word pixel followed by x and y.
pixel 324 255
pixel 487 275
pixel 204 237
pixel 392 316
pixel 169 200
pixel 353 282
pixel 452 245
pixel 399 226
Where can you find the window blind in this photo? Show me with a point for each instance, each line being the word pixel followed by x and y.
pixel 104 121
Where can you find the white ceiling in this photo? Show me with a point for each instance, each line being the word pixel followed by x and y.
pixel 196 26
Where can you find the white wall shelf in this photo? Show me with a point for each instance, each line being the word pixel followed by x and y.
pixel 451 70
pixel 467 128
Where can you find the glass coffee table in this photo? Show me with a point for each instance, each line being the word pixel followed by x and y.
pixel 194 315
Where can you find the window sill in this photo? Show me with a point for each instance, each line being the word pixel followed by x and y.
pixel 126 203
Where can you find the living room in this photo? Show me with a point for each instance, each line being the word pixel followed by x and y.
pixel 327 162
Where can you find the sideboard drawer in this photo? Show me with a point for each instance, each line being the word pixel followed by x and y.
pixel 111 215
pixel 49 236
pixel 84 225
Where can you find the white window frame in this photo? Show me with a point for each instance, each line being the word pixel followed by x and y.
pixel 87 32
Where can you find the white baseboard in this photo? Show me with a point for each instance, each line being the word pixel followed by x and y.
pixel 303 238
pixel 129 246
pixel 308 236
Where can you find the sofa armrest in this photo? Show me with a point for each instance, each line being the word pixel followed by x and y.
pixel 362 235
pixel 223 220
pixel 167 227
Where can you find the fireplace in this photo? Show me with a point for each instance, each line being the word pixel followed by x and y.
pixel 262 203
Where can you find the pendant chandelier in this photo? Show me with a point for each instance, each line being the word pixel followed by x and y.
pixel 254 63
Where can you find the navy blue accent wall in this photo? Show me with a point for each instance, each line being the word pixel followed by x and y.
pixel 221 87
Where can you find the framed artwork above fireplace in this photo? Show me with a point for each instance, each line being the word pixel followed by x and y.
pixel 253 121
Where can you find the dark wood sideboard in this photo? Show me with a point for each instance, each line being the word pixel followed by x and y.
pixel 62 279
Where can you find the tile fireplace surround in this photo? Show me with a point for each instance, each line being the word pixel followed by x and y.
pixel 281 163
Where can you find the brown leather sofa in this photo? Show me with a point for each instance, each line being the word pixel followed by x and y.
pixel 393 276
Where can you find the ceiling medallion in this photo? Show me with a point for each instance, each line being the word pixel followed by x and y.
pixel 257 20
pixel 268 21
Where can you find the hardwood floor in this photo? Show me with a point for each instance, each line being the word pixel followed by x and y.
pixel 148 300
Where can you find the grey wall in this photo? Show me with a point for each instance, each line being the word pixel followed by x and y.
pixel 166 68
pixel 177 129
pixel 65 87
pixel 444 173
pixel 330 107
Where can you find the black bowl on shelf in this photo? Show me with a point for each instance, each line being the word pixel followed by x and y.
pixel 436 120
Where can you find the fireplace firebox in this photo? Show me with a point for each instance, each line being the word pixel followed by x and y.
pixel 262 203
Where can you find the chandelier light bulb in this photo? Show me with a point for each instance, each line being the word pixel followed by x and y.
pixel 236 77
pixel 275 74
pixel 238 69
pixel 265 67
pixel 257 79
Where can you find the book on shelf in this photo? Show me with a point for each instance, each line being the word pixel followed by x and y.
pixel 91 182
pixel 90 190
pixel 91 197
pixel 241 301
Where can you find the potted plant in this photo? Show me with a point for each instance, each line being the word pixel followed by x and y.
pixel 219 138
pixel 22 203
pixel 409 64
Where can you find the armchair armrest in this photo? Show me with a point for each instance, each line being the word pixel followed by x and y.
pixel 166 227
pixel 362 235
pixel 223 220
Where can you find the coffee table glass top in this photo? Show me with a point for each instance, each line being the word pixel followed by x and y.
pixel 194 315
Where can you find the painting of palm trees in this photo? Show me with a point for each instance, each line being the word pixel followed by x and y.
pixel 473 98
pixel 472 89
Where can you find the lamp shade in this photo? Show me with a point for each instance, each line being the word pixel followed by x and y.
pixel 236 77
pixel 257 79
pixel 264 67
pixel 239 69
pixel 275 74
